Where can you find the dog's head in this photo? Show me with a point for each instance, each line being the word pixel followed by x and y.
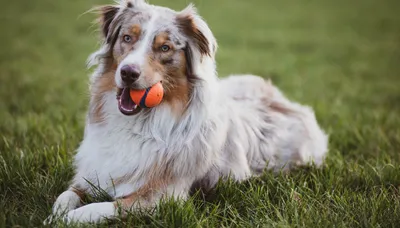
pixel 146 44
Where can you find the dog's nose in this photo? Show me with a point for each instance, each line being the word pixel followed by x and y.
pixel 130 73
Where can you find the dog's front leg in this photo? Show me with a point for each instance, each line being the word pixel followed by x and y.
pixel 67 201
pixel 145 198
pixel 92 213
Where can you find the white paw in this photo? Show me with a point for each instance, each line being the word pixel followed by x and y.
pixel 92 213
pixel 67 201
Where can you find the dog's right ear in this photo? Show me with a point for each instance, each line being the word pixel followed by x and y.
pixel 107 15
pixel 197 30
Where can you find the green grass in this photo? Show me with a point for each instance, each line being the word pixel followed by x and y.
pixel 341 57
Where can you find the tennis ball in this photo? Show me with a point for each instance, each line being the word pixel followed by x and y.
pixel 148 98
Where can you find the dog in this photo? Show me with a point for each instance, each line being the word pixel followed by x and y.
pixel 205 128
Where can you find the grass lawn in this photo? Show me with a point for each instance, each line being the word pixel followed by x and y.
pixel 341 57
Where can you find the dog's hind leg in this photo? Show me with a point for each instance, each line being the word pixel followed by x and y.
pixel 299 140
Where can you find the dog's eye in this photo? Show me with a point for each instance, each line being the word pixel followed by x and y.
pixel 127 39
pixel 165 48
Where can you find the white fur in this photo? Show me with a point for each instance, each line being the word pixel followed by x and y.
pixel 138 57
pixel 66 202
pixel 92 213
pixel 235 127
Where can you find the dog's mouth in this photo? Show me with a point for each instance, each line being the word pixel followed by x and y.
pixel 125 103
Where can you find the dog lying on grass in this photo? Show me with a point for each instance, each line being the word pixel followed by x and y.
pixel 203 130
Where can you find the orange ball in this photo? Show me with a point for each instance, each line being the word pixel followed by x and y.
pixel 148 98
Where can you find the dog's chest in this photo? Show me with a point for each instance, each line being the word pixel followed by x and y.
pixel 115 161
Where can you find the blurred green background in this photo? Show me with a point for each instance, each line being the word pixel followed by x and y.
pixel 341 57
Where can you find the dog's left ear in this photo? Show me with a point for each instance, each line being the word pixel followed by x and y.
pixel 107 15
pixel 196 29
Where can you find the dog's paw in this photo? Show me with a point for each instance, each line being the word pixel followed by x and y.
pixel 66 202
pixel 92 213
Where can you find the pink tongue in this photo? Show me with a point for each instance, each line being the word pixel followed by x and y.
pixel 126 105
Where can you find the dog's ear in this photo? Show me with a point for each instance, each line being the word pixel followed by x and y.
pixel 197 31
pixel 107 15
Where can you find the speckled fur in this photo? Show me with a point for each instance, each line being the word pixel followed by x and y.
pixel 236 127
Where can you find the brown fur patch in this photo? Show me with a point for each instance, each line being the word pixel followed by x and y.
pixel 77 191
pixel 160 39
pixel 186 24
pixel 136 30
pixel 179 87
pixel 159 178
pixel 105 83
pixel 144 196
pixel 121 51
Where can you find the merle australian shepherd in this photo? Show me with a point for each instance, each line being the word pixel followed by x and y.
pixel 204 129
